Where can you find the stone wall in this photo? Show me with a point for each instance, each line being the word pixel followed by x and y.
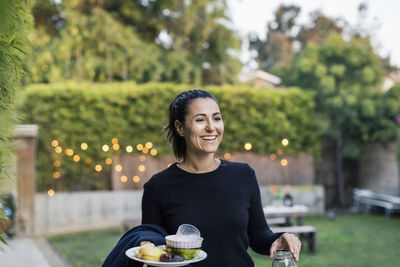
pixel 71 212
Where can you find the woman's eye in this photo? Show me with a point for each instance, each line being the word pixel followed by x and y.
pixel 199 120
pixel 218 119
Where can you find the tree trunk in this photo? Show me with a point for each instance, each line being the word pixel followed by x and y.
pixel 339 168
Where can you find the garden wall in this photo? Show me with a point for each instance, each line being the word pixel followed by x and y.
pixel 69 212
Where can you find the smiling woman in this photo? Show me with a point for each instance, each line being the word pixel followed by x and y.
pixel 221 198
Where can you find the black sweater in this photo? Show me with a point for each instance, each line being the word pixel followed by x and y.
pixel 224 204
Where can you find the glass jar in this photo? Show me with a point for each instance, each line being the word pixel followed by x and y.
pixel 283 258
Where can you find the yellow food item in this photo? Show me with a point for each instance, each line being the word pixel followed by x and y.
pixel 149 252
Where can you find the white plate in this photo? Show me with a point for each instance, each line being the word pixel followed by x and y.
pixel 131 253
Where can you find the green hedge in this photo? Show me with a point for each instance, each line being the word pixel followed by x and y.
pixel 94 114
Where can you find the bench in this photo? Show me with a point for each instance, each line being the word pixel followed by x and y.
pixel 127 224
pixel 370 199
pixel 306 232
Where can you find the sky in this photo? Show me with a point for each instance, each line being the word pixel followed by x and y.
pixel 253 16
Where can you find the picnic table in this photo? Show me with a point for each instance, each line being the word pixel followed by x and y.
pixel 306 232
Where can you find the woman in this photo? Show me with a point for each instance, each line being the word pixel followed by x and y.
pixel 220 198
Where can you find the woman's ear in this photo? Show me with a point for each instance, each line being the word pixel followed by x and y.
pixel 179 127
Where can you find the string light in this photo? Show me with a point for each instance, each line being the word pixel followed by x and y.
pixel 248 146
pixel 136 179
pixel 98 168
pixel 118 168
pixel 105 148
pixel 129 149
pixel 149 145
pixel 114 140
pixel 273 156
pixel 145 150
pixel 69 151
pixel 58 149
pixel 142 158
pixel 280 152
pixel 54 143
pixel 124 179
pixel 139 147
pixel 285 142
pixel 84 146
pixel 108 161
pixel 115 146
pixel 76 158
pixel 57 163
pixel 88 161
pixel 227 156
pixel 284 162
pixel 142 168
pixel 56 175
pixel 50 192
pixel 153 152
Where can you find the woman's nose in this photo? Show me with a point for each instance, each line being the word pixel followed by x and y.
pixel 210 126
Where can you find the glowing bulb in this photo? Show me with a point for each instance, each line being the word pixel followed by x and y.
pixel 129 149
pixel 50 192
pixel 57 163
pixel 84 146
pixel 139 147
pixel 108 161
pixel 105 148
pixel 273 156
pixel 280 152
pixel 115 146
pixel 142 168
pixel 114 141
pixel 54 143
pixel 285 142
pixel 118 168
pixel 58 149
pixel 69 151
pixel 284 162
pixel 149 145
pixel 88 161
pixel 145 150
pixel 136 179
pixel 56 175
pixel 247 146
pixel 153 152
pixel 227 156
pixel 98 168
pixel 124 179
pixel 142 158
pixel 76 158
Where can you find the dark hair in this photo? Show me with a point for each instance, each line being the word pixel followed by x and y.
pixel 178 109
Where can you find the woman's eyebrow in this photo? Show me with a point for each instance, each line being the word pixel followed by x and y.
pixel 203 114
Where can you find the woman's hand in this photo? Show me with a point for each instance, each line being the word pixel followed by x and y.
pixel 286 241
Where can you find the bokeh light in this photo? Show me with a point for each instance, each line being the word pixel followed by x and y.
pixel 50 192
pixel 284 162
pixel 129 149
pixel 149 145
pixel 84 146
pixel 285 142
pixel 98 168
pixel 108 161
pixel 76 158
pixel 105 148
pixel 57 163
pixel 136 179
pixel 56 175
pixel 54 143
pixel 124 179
pixel 139 147
pixel 58 149
pixel 273 156
pixel 118 168
pixel 145 150
pixel 115 146
pixel 114 141
pixel 227 155
pixel 142 158
pixel 279 152
pixel 142 168
pixel 248 146
pixel 153 152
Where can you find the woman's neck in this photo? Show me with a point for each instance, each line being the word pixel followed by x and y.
pixel 197 164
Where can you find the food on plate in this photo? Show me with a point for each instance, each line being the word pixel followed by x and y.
pixel 187 253
pixel 149 252
pixel 169 257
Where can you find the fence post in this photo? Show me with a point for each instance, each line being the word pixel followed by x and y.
pixel 25 142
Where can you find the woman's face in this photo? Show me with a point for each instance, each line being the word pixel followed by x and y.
pixel 203 127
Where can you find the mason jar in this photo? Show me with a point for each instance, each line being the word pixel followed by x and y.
pixel 283 258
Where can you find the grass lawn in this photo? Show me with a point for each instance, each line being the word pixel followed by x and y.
pixel 350 240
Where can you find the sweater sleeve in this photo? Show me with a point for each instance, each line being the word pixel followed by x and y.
pixel 260 235
pixel 151 207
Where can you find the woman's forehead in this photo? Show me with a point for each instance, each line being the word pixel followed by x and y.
pixel 203 105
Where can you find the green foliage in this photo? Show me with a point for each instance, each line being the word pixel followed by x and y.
pixel 14 22
pixel 144 41
pixel 135 114
pixel 345 76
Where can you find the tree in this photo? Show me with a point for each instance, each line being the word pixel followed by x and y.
pixel 276 53
pixel 345 76
pixel 15 20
